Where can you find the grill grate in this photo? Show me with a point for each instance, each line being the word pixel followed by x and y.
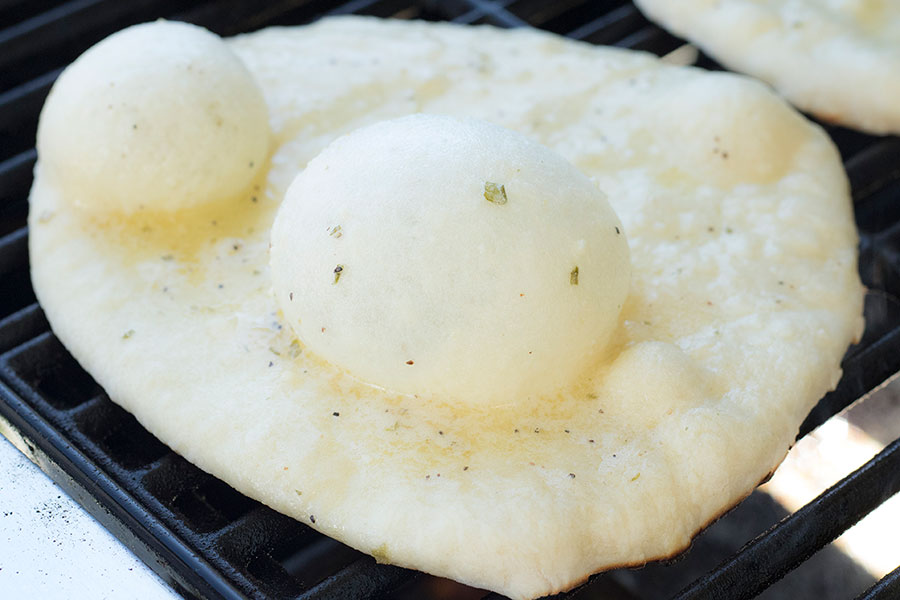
pixel 207 540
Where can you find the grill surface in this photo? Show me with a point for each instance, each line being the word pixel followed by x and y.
pixel 207 540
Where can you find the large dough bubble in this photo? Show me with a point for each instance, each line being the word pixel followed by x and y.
pixel 450 258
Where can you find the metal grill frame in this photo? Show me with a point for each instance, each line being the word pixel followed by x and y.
pixel 54 430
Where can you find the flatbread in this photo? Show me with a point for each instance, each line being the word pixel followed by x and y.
pixel 837 59
pixel 744 297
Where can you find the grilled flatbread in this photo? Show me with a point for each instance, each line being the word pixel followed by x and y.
pixel 743 298
pixel 837 59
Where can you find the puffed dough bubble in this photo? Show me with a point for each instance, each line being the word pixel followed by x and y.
pixel 159 116
pixel 450 258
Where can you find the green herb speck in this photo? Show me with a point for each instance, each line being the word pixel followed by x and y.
pixel 573 276
pixel 495 193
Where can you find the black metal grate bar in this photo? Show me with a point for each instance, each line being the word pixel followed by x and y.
pixel 15 179
pixel 874 168
pixel 16 11
pixel 496 13
pixel 206 539
pixel 609 27
pixel 772 555
pixel 886 589
pixel 94 490
pixel 17 133
pixel 21 326
pixel 866 365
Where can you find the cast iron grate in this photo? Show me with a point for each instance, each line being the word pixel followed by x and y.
pixel 207 540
